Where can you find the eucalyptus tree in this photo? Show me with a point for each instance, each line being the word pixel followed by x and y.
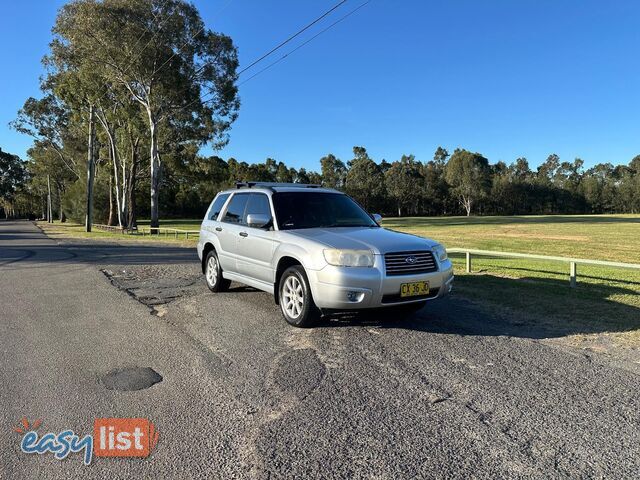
pixel 13 175
pixel 364 180
pixel 404 181
pixel 47 121
pixel 333 171
pixel 469 177
pixel 180 73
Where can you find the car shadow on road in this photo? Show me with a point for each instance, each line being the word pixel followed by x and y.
pixel 526 308
pixel 97 253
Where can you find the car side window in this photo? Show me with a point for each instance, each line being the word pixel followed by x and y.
pixel 258 204
pixel 235 210
pixel 217 205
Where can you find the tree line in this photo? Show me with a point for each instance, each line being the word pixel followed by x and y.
pixel 133 89
pixel 463 183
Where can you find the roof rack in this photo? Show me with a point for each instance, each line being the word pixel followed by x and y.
pixel 272 185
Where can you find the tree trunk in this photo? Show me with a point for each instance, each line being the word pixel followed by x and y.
pixel 113 155
pixel 131 186
pixel 111 219
pixel 155 173
pixel 49 206
pixel 116 170
pixel 61 215
pixel 90 171
pixel 399 211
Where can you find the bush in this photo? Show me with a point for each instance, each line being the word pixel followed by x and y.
pixel 75 200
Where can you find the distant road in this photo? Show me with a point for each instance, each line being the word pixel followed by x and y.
pixel 447 394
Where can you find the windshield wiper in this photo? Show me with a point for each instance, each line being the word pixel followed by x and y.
pixel 346 225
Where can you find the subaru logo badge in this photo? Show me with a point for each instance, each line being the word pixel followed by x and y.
pixel 410 260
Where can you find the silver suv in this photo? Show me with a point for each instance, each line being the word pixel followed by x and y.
pixel 317 251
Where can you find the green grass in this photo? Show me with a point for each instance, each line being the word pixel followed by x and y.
pixel 74 230
pixel 606 301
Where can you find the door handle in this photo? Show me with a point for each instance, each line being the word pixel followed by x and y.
pixel 244 234
pixel 218 229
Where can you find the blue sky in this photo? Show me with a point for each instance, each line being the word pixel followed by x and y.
pixel 506 78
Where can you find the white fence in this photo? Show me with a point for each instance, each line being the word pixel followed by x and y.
pixel 573 262
pixel 174 232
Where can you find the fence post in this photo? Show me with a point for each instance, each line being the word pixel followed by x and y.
pixel 573 271
pixel 468 257
pixel 186 236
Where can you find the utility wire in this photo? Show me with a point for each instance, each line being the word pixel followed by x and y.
pixel 344 17
pixel 282 44
pixel 192 38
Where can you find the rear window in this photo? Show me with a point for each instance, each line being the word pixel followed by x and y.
pixel 217 205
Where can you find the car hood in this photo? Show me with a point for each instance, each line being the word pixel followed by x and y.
pixel 380 240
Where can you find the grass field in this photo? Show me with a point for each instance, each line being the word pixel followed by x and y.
pixel 606 302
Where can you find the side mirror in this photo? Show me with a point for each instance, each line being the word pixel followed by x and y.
pixel 377 217
pixel 258 220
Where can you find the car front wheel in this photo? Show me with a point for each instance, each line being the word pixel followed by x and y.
pixel 213 274
pixel 296 302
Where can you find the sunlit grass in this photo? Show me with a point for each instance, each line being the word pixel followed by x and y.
pixel 606 300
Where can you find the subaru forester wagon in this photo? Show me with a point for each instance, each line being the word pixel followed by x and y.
pixel 317 251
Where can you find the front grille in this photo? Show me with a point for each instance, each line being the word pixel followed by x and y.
pixel 396 263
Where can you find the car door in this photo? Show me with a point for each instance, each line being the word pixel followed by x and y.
pixel 210 221
pixel 228 231
pixel 256 245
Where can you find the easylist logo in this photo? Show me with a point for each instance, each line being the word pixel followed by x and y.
pixel 123 437
pixel 112 437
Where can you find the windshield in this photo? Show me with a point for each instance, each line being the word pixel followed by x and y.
pixel 316 209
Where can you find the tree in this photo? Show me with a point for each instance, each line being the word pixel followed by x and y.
pixel 468 174
pixel 364 180
pixel 333 172
pixel 47 121
pixel 165 58
pixel 440 157
pixel 403 182
pixel 12 176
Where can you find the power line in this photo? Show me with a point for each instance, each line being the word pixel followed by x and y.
pixel 282 44
pixel 344 17
pixel 306 42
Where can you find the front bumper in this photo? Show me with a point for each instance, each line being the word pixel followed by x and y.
pixel 354 288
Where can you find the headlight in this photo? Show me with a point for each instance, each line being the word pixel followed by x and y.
pixel 440 252
pixel 349 258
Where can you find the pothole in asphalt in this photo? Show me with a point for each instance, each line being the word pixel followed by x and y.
pixel 131 378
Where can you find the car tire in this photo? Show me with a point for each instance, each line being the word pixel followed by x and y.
pixel 213 274
pixel 296 301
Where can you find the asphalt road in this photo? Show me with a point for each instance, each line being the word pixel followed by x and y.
pixel 449 393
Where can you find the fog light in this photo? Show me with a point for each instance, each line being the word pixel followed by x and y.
pixel 355 296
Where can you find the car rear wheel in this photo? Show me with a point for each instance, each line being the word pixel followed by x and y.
pixel 296 302
pixel 213 274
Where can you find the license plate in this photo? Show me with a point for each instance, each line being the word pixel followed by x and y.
pixel 414 289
